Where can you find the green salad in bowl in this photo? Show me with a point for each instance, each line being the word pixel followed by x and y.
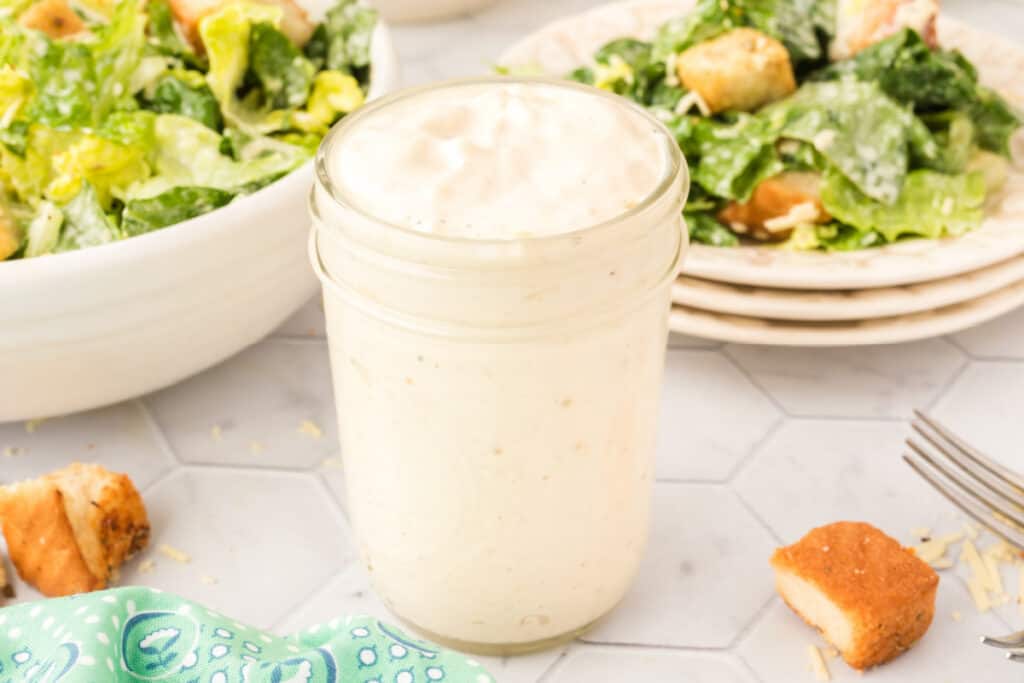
pixel 829 125
pixel 118 118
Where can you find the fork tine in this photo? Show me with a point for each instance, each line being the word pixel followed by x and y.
pixel 977 512
pixel 1013 641
pixel 965 486
pixel 998 486
pixel 982 460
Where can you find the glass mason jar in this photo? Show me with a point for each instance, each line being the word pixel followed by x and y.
pixel 497 405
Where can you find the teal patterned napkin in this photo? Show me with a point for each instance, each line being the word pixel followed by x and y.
pixel 140 634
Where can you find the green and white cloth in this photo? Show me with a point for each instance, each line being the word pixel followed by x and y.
pixel 140 634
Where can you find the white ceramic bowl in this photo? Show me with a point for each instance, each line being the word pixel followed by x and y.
pixel 85 329
pixel 400 11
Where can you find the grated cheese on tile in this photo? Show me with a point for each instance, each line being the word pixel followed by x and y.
pixel 957 616
pixel 147 566
pixel 309 428
pixel 32 425
pixel 1020 588
pixel 215 432
pixel 174 554
pixel 970 531
pixel 942 563
pixel 11 451
pixel 818 665
pixel 995 578
pixel 255 447
pixel 979 595
pixel 208 580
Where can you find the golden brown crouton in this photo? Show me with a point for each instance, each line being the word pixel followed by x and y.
pixel 869 596
pixel 777 206
pixel 55 18
pixel 70 531
pixel 861 24
pixel 742 69
pixel 295 24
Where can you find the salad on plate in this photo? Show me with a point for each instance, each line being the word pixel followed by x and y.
pixel 830 125
pixel 120 117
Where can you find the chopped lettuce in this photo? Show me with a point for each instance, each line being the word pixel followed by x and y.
pixel 186 93
pixel 44 230
pixel 189 154
pixel 117 53
pixel 173 206
pixel 64 77
pixel 334 95
pixel 858 129
pixel 285 74
pixel 705 229
pixel 931 205
pixel 728 158
pixel 343 41
pixel 85 223
pixel 15 92
pixel 163 36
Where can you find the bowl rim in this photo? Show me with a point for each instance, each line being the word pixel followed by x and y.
pixel 384 79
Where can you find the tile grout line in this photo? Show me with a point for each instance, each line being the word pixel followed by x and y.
pixel 948 385
pixel 557 664
pixel 158 431
pixel 759 616
pixel 750 457
pixel 757 516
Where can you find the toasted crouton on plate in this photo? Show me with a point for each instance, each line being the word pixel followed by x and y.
pixel 777 206
pixel 742 70
pixel 295 24
pixel 868 595
pixel 862 23
pixel 55 18
pixel 70 531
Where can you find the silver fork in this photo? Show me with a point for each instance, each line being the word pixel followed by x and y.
pixel 988 492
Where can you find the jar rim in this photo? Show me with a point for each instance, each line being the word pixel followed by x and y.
pixel 675 167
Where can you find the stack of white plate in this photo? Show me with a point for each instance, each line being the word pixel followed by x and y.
pixel 766 295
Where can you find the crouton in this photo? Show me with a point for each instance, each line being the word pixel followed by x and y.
pixel 69 532
pixel 742 69
pixel 862 23
pixel 55 18
pixel 869 596
pixel 295 24
pixel 6 589
pixel 777 206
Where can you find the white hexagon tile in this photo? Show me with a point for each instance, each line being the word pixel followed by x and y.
pixel 269 406
pixel 688 593
pixel 595 664
pixel 692 444
pixel 879 381
pixel 811 472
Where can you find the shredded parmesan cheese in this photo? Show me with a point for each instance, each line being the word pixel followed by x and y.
pixel 32 425
pixel 979 595
pixel 1020 588
pixel 146 566
pixel 824 139
pixel 174 554
pixel 957 616
pixel 818 665
pixel 921 532
pixel 255 447
pixel 215 432
pixel 208 580
pixel 800 214
pixel 689 100
pixel 979 570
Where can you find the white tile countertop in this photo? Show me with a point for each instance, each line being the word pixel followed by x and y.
pixel 239 468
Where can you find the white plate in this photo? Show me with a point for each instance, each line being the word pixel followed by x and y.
pixel 568 43
pixel 795 304
pixel 899 329
pixel 88 328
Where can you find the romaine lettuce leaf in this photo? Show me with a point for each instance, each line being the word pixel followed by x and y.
pixel 705 229
pixel 163 36
pixel 931 205
pixel 43 230
pixel 64 76
pixel 343 42
pixel 185 93
pixel 85 223
pixel 995 119
pixel 130 129
pixel 188 154
pixel 334 95
pixel 117 53
pixel 285 74
pixel 226 34
pixel 858 129
pixel 173 206
pixel 103 165
pixel 728 159
pixel 15 92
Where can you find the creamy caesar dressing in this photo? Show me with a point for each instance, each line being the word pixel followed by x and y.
pixel 497 397
pixel 501 161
